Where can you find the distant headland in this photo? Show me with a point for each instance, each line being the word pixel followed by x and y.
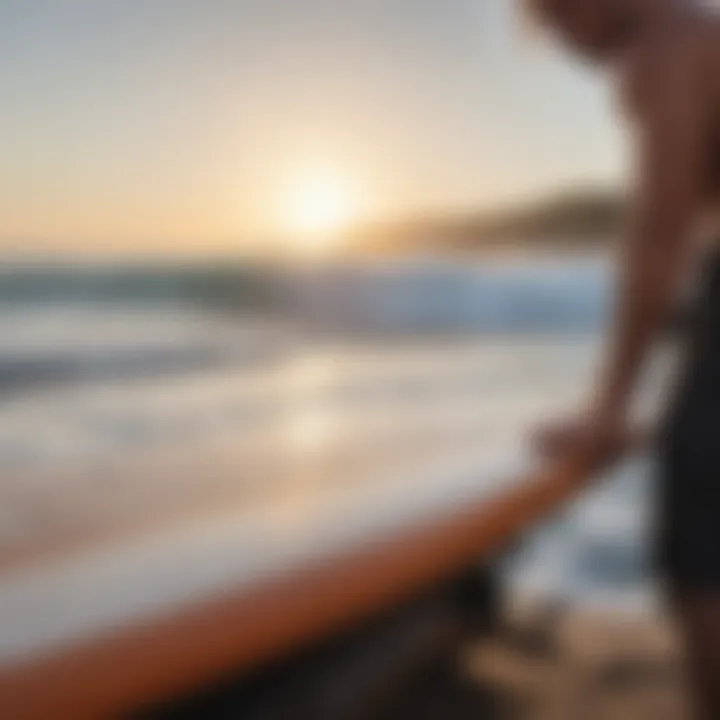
pixel 583 218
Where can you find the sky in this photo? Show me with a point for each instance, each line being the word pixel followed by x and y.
pixel 221 123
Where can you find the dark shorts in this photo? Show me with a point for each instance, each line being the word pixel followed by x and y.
pixel 688 529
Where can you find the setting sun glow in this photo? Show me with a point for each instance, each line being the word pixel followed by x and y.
pixel 319 208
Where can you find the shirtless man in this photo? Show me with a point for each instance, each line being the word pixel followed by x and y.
pixel 666 55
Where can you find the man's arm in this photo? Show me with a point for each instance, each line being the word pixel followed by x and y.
pixel 654 259
pixel 669 177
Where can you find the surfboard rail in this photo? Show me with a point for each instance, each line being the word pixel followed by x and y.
pixel 166 655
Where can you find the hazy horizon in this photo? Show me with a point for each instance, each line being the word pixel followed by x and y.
pixel 212 126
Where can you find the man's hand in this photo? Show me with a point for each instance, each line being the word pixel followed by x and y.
pixel 594 437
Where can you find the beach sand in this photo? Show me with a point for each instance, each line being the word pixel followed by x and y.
pixel 549 663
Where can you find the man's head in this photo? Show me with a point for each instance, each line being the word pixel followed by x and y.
pixel 595 28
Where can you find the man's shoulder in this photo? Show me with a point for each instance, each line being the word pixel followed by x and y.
pixel 665 61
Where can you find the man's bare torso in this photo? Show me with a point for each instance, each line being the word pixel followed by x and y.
pixel 689 50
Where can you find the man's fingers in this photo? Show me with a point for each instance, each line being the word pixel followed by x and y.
pixel 555 440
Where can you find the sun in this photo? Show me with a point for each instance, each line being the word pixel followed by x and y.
pixel 319 207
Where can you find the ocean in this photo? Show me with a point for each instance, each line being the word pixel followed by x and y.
pixel 132 392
